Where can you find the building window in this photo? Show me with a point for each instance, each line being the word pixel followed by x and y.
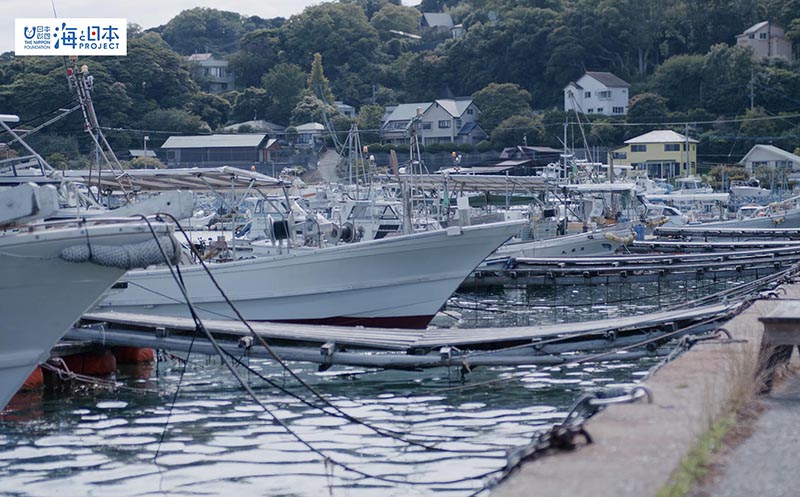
pixel 444 124
pixel 762 36
pixel 618 110
pixel 619 155
pixel 604 94
pixel 638 148
pixel 672 147
pixel 427 125
pixel 458 123
pixel 751 36
pixel 590 111
pixel 587 94
pixel 469 112
pixel 600 110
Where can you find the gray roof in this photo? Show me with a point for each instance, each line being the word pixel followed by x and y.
pixel 406 112
pixel 309 128
pixel 608 79
pixel 215 141
pixel 660 136
pixel 756 27
pixel 783 154
pixel 455 106
pixel 436 19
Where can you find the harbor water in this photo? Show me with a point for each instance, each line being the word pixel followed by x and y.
pixel 188 429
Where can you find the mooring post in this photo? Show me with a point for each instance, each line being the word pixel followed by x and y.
pixel 781 335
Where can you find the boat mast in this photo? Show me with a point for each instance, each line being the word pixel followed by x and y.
pixel 83 83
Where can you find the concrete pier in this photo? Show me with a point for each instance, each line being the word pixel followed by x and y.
pixel 637 447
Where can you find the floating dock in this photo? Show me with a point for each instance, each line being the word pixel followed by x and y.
pixel 526 271
pixel 399 349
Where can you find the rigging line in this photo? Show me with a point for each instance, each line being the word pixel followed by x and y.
pixel 278 420
pixel 393 434
pixel 302 382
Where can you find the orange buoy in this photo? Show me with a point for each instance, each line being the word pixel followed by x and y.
pixel 101 363
pixel 35 380
pixel 133 355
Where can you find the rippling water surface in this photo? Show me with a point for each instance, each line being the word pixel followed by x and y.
pixel 193 431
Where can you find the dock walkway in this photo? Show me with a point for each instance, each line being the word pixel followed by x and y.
pixel 638 447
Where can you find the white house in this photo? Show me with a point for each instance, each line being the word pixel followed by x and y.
pixel 597 93
pixel 345 109
pixel 767 40
pixel 770 156
pixel 441 121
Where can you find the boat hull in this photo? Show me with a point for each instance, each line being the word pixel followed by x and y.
pixel 42 295
pixel 393 282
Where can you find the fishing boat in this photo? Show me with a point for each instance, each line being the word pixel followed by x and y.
pixel 396 282
pixel 54 271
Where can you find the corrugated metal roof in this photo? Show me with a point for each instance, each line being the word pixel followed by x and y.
pixel 608 79
pixel 215 141
pixel 661 136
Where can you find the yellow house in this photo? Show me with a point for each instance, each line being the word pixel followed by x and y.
pixel 662 153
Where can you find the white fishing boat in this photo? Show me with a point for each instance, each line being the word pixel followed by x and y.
pixel 53 272
pixel 784 214
pixel 392 282
pixel 595 243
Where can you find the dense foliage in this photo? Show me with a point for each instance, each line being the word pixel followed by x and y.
pixel 514 57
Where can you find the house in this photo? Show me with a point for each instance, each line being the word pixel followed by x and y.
pixel 238 150
pixel 766 39
pixel 447 120
pixel 437 22
pixel 662 153
pixel 256 126
pixel 212 73
pixel 308 134
pixel 347 110
pixel 769 156
pixel 597 93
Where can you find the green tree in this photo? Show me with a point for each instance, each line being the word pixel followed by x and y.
pixel 212 109
pixel 649 109
pixel 309 109
pixel 203 30
pixel 284 84
pixel 173 120
pixel 341 33
pixel 318 84
pixel 726 78
pixel 258 53
pixel 517 130
pixel 369 120
pixel 251 104
pixel 395 17
pixel 680 80
pixel 146 163
pixel 501 101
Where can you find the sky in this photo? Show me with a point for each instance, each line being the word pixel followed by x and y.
pixel 146 13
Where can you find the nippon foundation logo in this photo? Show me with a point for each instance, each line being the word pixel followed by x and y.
pixel 76 36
